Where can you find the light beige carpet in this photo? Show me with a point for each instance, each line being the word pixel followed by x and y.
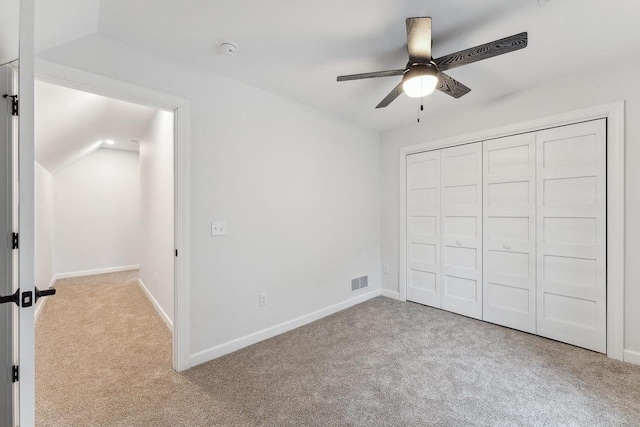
pixel 104 358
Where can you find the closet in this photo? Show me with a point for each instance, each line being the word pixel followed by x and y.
pixel 513 231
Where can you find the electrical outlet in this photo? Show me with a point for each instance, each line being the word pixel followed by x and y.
pixel 385 269
pixel 263 299
pixel 218 228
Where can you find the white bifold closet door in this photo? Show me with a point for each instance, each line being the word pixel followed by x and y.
pixel 509 232
pixel 423 228
pixel 461 225
pixel 571 234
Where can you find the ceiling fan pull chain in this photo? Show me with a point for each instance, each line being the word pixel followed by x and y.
pixel 421 108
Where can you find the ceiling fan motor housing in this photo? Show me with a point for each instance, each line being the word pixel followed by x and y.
pixel 419 69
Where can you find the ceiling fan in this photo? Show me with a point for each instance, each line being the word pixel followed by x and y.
pixel 423 74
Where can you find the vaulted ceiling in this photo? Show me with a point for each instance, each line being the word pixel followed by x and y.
pixel 71 124
pixel 297 48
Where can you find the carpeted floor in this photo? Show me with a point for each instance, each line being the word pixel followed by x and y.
pixel 104 359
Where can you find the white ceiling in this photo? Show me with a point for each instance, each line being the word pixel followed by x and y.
pixel 71 124
pixel 79 18
pixel 297 48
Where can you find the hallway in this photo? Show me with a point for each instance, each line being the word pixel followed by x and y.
pixel 104 354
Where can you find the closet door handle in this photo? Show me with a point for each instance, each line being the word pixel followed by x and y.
pixel 506 246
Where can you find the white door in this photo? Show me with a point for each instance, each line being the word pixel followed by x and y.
pixel 423 228
pixel 571 230
pixel 509 232
pixel 461 229
pixel 8 309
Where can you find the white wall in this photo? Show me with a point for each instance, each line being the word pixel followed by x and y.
pixel 611 83
pixel 299 189
pixel 43 222
pixel 96 212
pixel 9 30
pixel 156 211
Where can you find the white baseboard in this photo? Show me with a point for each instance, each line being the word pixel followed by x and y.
pixel 40 307
pixel 97 271
pixel 247 340
pixel 390 294
pixel 632 357
pixel 155 304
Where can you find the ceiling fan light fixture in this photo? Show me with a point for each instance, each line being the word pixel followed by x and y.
pixel 420 81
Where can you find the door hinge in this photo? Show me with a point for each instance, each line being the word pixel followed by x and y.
pixel 15 373
pixel 14 103
pixel 16 241
pixel 176 252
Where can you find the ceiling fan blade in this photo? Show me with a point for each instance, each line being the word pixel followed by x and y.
pixel 371 75
pixel 396 92
pixel 484 51
pixel 419 39
pixel 451 86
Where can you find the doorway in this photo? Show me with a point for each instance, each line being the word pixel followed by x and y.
pixel 104 238
pixel 23 390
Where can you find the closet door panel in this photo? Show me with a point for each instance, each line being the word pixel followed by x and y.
pixel 461 183
pixel 571 234
pixel 423 228
pixel 509 240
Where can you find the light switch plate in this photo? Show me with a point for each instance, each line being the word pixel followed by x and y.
pixel 218 228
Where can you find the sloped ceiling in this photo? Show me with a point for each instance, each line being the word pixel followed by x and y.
pixel 71 124
pixel 58 22
pixel 297 48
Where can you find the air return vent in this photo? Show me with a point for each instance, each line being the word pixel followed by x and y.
pixel 359 283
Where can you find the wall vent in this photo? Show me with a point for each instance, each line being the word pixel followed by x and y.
pixel 359 283
pixel 364 282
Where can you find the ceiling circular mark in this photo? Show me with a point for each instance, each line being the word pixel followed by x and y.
pixel 229 48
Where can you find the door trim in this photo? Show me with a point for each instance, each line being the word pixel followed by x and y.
pixel 615 115
pixel 81 80
pixel 26 213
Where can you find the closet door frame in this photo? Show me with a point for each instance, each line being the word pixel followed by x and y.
pixel 615 115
